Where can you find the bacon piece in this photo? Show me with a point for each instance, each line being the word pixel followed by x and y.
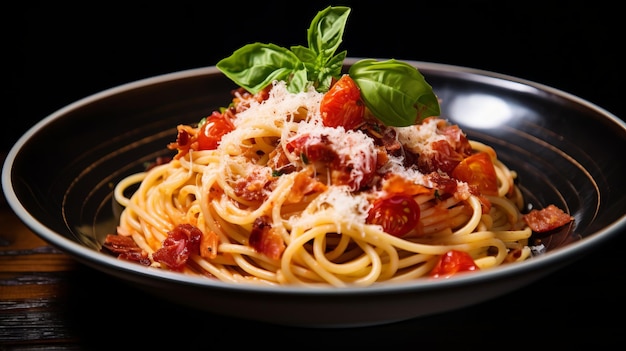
pixel 120 244
pixel 180 244
pixel 443 183
pixel 279 161
pixel 186 136
pixel 126 249
pixel 446 153
pixel 354 170
pixel 397 184
pixel 305 184
pixel 266 240
pixel 252 186
pixel 546 219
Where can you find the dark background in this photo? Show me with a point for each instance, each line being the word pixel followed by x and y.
pixel 59 53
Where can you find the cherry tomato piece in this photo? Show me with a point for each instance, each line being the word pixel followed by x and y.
pixel 342 105
pixel 478 170
pixel 211 132
pixel 398 214
pixel 453 262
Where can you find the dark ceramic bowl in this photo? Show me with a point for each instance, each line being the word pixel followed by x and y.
pixel 59 177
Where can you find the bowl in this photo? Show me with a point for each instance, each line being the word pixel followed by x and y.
pixel 59 177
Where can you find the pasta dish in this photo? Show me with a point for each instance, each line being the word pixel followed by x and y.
pixel 308 182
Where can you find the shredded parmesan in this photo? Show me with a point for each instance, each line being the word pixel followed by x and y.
pixel 281 105
pixel 338 202
pixel 355 148
pixel 419 138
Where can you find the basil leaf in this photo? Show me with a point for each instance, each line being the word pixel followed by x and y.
pixel 255 66
pixel 326 31
pixel 305 54
pixel 335 64
pixel 394 91
pixel 299 81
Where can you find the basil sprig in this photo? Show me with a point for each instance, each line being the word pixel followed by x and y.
pixel 394 91
pixel 255 66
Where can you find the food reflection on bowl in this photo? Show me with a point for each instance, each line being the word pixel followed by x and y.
pixel 549 137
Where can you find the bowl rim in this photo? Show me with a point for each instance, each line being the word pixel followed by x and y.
pixel 554 259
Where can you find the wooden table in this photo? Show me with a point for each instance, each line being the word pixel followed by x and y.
pixel 49 301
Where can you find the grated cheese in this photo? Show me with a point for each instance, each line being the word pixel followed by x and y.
pixel 347 207
pixel 420 137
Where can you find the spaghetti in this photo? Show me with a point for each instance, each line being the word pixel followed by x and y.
pixel 282 198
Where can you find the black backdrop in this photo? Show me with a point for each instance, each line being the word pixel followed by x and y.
pixel 59 53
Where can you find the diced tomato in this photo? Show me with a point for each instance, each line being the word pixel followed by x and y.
pixel 342 105
pixel 212 131
pixel 398 214
pixel 477 170
pixel 452 262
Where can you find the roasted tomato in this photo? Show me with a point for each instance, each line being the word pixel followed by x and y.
pixel 398 214
pixel 453 262
pixel 342 105
pixel 212 131
pixel 477 170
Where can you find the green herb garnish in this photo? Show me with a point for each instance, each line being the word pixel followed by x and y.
pixel 394 91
